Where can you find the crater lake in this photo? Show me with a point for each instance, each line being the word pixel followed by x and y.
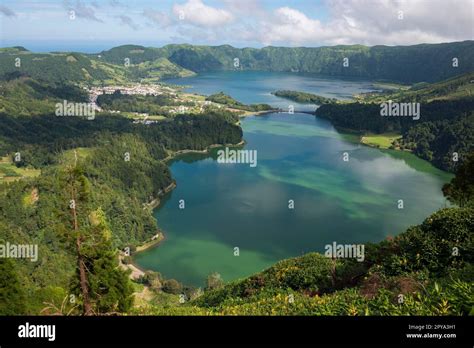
pixel 300 160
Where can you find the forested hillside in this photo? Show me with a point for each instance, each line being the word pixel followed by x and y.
pixel 72 67
pixel 415 273
pixel 224 99
pixel 455 88
pixel 114 166
pixel 445 126
pixel 20 95
pixel 409 64
pixel 304 98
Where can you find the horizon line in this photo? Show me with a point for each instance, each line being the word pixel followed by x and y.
pixel 3 46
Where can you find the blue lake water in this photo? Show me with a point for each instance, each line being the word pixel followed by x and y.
pixel 300 158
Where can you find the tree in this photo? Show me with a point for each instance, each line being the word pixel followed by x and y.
pixel 110 287
pixel 103 285
pixel 461 188
pixel 79 193
pixel 12 297
pixel 172 286
pixel 152 279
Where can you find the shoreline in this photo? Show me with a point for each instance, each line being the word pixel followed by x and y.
pixel 156 202
pixel 154 241
pixel 356 136
pixel 136 270
pixel 259 113
pixel 175 154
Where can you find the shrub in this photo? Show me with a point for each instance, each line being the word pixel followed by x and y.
pixel 172 286
pixel 444 240
pixel 214 281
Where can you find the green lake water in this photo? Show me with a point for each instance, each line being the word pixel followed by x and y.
pixel 300 158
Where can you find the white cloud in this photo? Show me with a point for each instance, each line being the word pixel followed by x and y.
pixel 159 18
pixel 197 13
pixel 252 22
pixel 249 8
pixel 81 10
pixel 126 20
pixel 371 22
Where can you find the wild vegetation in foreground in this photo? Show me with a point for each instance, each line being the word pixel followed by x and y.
pixel 427 270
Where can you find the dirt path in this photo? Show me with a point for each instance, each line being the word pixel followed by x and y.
pixel 136 272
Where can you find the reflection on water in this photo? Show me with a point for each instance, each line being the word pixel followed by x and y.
pixel 253 87
pixel 299 159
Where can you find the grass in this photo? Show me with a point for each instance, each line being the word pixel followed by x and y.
pixel 141 117
pixel 68 157
pixel 144 297
pixel 9 172
pixel 192 97
pixel 391 86
pixel 383 141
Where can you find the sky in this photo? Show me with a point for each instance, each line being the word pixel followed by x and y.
pixel 92 25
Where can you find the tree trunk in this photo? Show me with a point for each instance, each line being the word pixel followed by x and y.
pixel 87 310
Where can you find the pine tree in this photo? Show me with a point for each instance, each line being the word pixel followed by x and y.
pixel 103 286
pixel 109 284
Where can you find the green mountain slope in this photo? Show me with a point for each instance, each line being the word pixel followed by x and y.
pixel 61 67
pixel 303 97
pixel 21 95
pixel 409 64
pixel 454 88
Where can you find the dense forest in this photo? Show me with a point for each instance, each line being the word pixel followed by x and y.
pixel 56 134
pixel 224 99
pixel 150 104
pixel 303 97
pixel 118 166
pixel 20 95
pixel 444 143
pixel 408 64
